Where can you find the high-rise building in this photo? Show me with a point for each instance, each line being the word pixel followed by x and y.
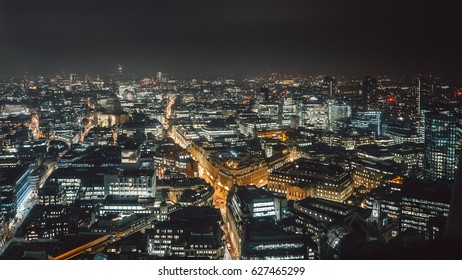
pixel 370 92
pixel 14 189
pixel 250 220
pixel 190 233
pixel 336 112
pixel 421 202
pixel 329 86
pixel 287 110
pixel 440 146
pixel 421 127
pixel 314 112
pixel 371 120
pixel 159 77
pixel 459 134
pixel 268 110
pixel 421 89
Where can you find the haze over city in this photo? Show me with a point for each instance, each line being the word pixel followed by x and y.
pixel 242 130
pixel 312 37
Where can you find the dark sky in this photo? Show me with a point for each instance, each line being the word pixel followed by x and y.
pixel 187 36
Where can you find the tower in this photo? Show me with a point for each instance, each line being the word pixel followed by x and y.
pixel 159 77
pixel 329 86
pixel 420 89
pixel 96 120
pixel 34 126
pixel 370 92
pixel 440 157
pixel 336 112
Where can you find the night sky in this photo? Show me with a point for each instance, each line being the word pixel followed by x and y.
pixel 187 36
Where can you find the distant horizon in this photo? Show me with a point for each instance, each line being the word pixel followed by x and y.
pixel 250 74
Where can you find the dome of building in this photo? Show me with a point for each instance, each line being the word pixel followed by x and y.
pixel 113 104
pixel 128 95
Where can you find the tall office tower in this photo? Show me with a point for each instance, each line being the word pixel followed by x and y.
pixel 329 86
pixel 371 120
pixel 120 69
pixel 421 88
pixel 459 135
pixel 287 111
pixel 370 92
pixel 440 157
pixel 159 77
pixel 336 112
pixel 421 126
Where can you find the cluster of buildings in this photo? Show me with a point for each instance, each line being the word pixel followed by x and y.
pixel 263 167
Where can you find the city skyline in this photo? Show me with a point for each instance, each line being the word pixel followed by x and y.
pixel 242 130
pixel 265 167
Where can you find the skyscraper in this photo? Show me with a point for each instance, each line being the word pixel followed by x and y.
pixel 370 92
pixel 371 120
pixel 421 89
pixel 336 112
pixel 329 86
pixel 421 126
pixel 159 77
pixel 440 146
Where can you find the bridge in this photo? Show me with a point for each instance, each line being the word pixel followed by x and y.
pixel 100 243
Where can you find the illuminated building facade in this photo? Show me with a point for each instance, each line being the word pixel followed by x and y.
pixel 401 132
pixel 268 110
pixel 250 221
pixel 116 204
pixel 287 110
pixel 409 155
pixel 370 92
pixel 304 178
pixel 387 199
pixel 223 169
pixel 110 113
pixel 244 203
pixel 313 215
pixel 15 187
pixel 47 222
pixel 422 201
pixel 440 146
pixel 336 112
pixel 370 120
pixel 131 182
pixel 369 174
pixel 190 233
pixel 173 158
pixel 263 240
pixel 314 112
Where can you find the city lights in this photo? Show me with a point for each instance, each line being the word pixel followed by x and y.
pixel 198 130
